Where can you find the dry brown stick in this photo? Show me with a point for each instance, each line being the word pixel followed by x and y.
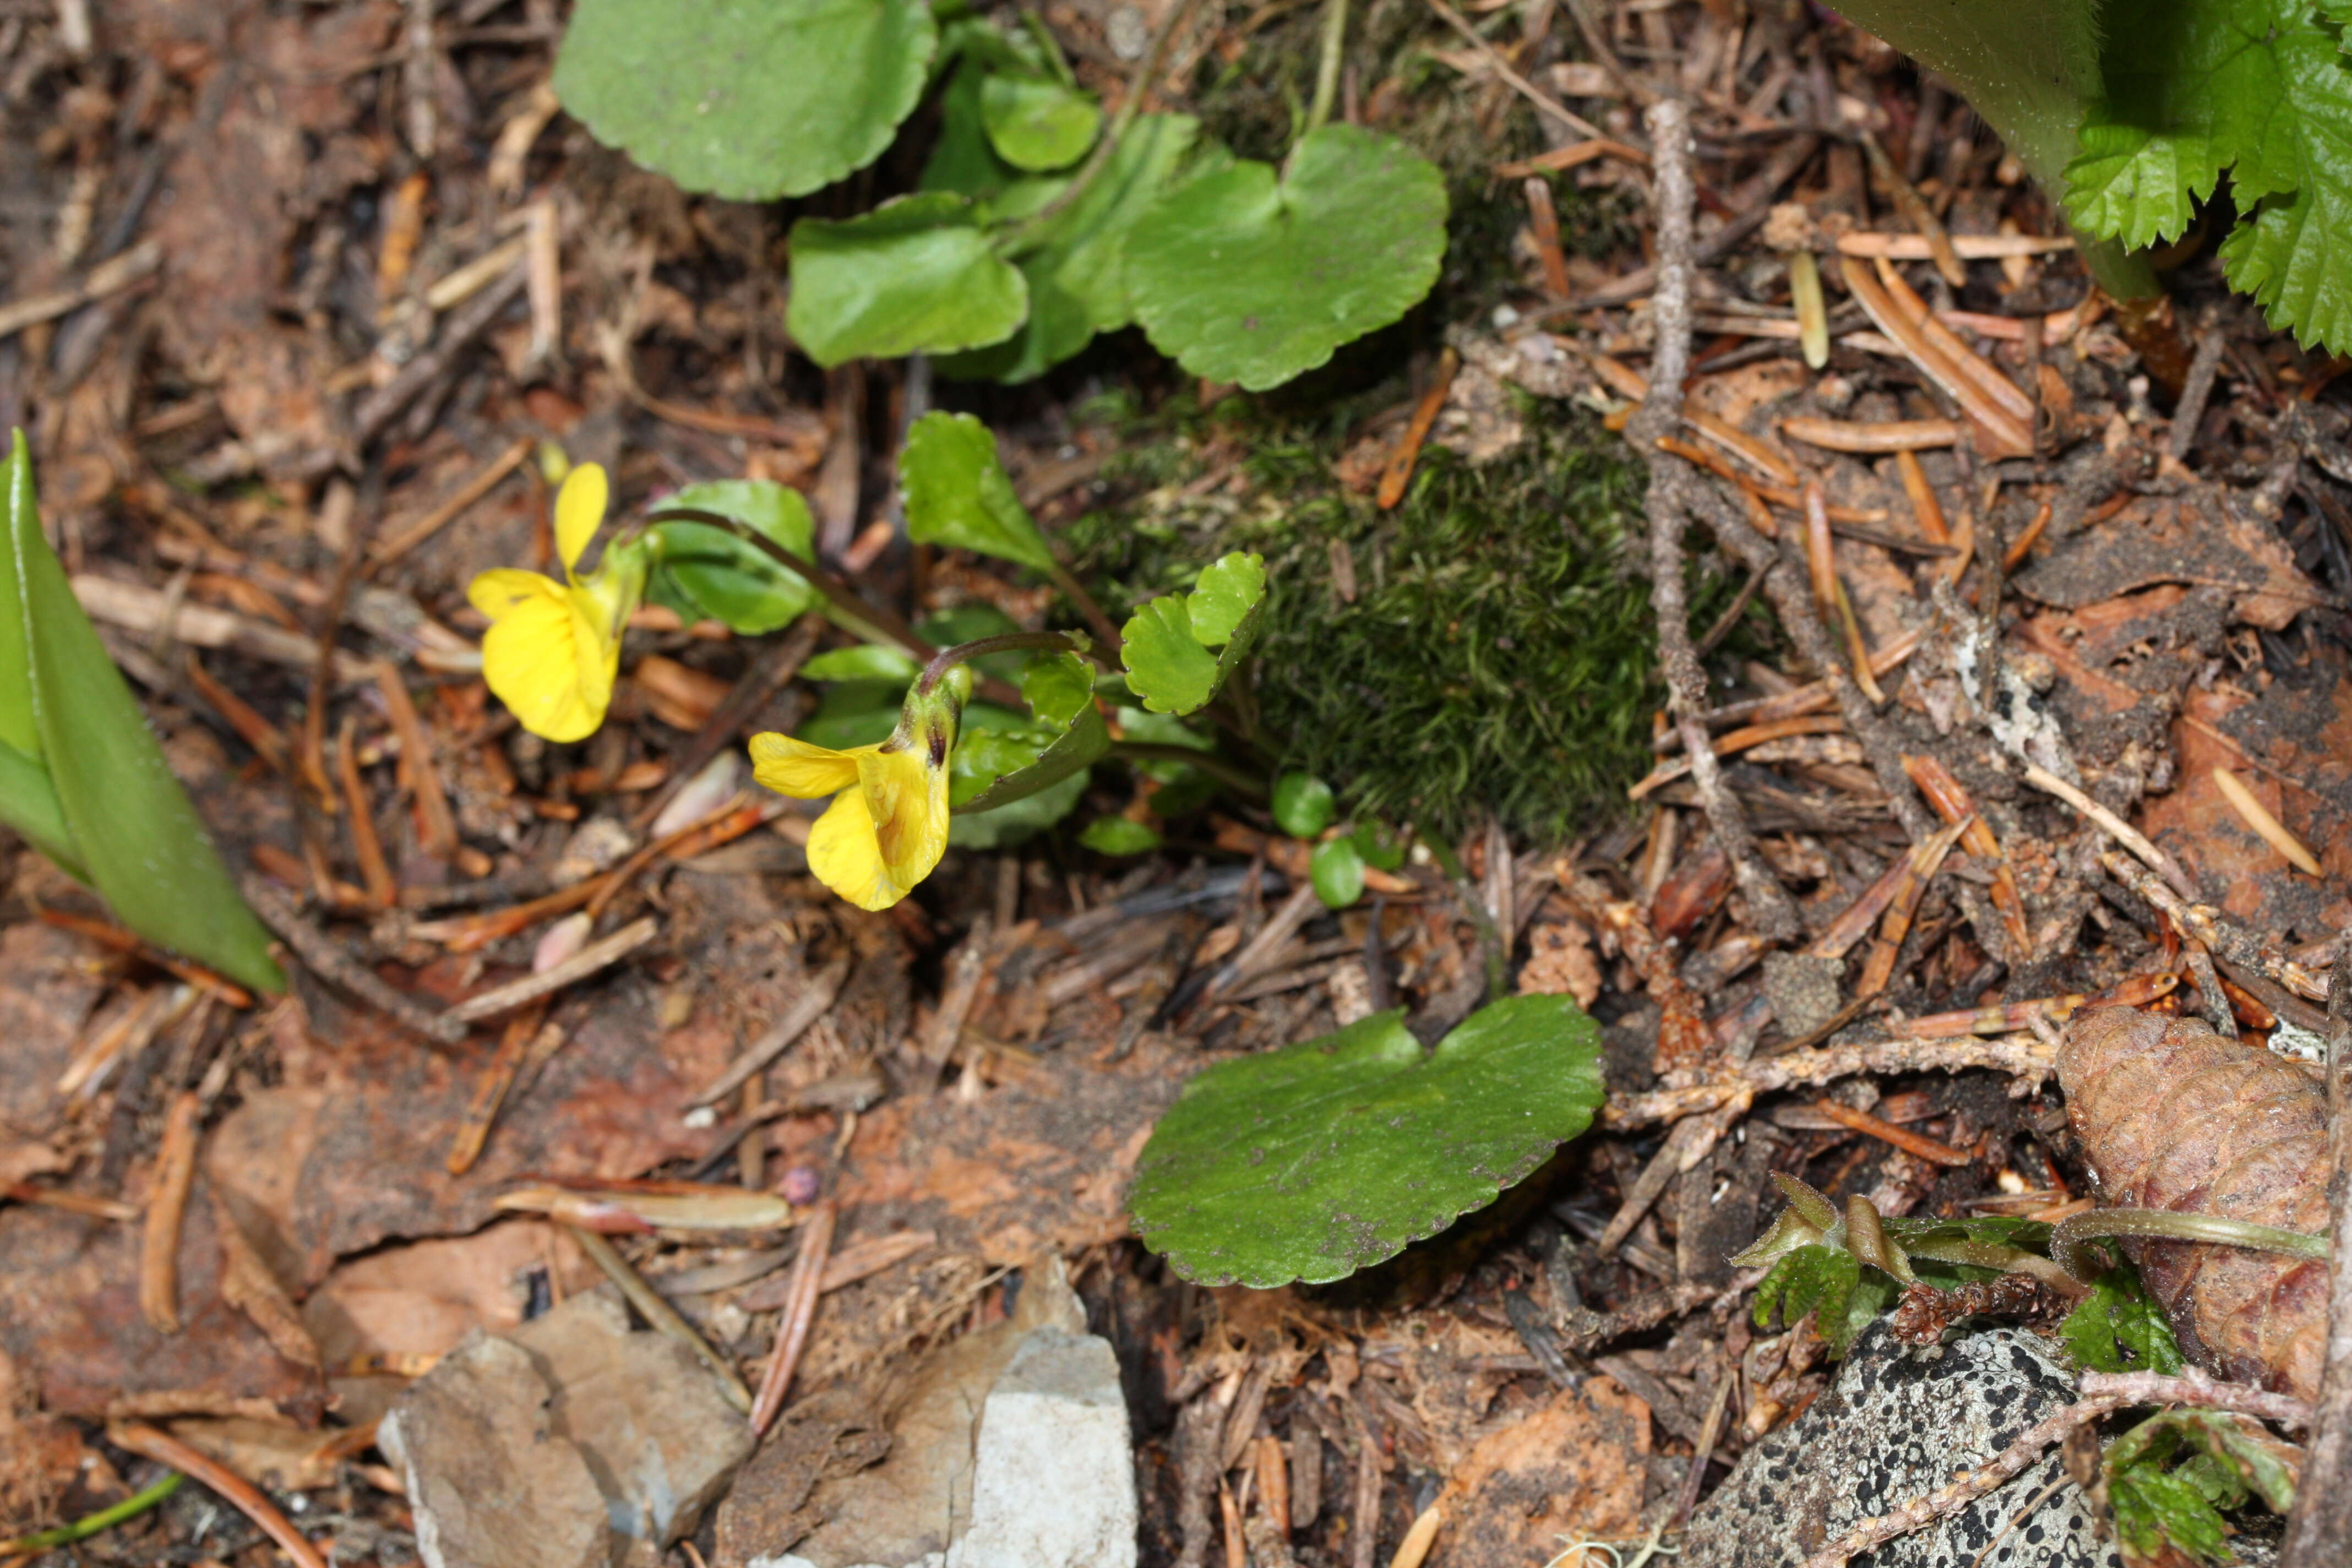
pixel 437 829
pixel 967 969
pixel 2020 1055
pixel 2194 394
pixel 2116 828
pixel 806 1009
pixel 491 1092
pixel 385 552
pixel 1772 913
pixel 800 1311
pixel 597 955
pixel 240 1493
pixel 2102 1393
pixel 375 871
pixel 167 1207
pixel 659 1313
pixel 326 959
pixel 772 671
pixel 2319 1528
pixel 2222 935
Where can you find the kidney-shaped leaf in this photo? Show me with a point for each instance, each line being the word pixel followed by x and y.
pixel 1034 122
pixel 1322 1158
pixel 914 275
pixel 1166 645
pixel 1247 277
pixel 703 570
pixel 748 99
pixel 994 768
pixel 958 494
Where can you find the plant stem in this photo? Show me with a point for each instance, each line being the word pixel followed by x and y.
pixel 2068 1242
pixel 845 598
pixel 1473 904
pixel 105 1518
pixel 1014 239
pixel 1208 762
pixel 1006 642
pixel 1076 592
pixel 1326 65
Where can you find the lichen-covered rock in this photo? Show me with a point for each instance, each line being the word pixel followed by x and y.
pixel 1895 1426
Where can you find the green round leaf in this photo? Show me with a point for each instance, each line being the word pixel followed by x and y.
pixel 1325 1157
pixel 1224 595
pixel 1036 123
pixel 864 661
pixel 956 492
pixel 1165 645
pixel 917 274
pixel 748 99
pixel 1337 873
pixel 1119 836
pixel 991 769
pixel 1247 278
pixel 1303 805
pixel 1381 845
pixel 717 575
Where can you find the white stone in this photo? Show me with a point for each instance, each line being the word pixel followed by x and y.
pixel 1055 1486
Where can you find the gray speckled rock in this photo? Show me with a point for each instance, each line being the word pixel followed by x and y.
pixel 1891 1428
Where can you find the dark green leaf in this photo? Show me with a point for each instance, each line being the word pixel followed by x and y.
pixel 1018 820
pixel 1314 1161
pixel 1303 805
pixel 28 803
pixel 1381 845
pixel 1119 836
pixel 135 831
pixel 962 159
pixel 2119 1327
pixel 2153 1505
pixel 724 578
pixel 864 661
pixel 748 100
pixel 1247 277
pixel 958 494
pixel 855 713
pixel 1165 645
pixel 1337 873
pixel 917 274
pixel 1038 123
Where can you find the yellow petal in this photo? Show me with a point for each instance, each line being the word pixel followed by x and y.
pixel 800 770
pixel 544 661
pixel 579 508
pixel 907 802
pixel 846 856
pixel 496 592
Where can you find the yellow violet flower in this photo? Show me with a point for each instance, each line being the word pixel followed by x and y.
pixel 554 648
pixel 887 826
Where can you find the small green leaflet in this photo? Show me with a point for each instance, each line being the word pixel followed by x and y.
pixel 703 571
pixel 1119 836
pixel 994 768
pixel 2119 1327
pixel 2168 1477
pixel 1303 805
pixel 914 275
pixel 748 100
pixel 1166 645
pixel 82 774
pixel 1325 1157
pixel 1337 870
pixel 958 495
pixel 1830 1282
pixel 1250 276
pixel 2261 89
pixel 1038 123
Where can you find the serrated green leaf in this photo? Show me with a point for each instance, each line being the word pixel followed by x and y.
pixel 1075 263
pixel 2153 1505
pixel 2235 1455
pixel 748 100
pixel 1337 872
pixel 1250 276
pixel 132 826
pixel 1304 804
pixel 1165 645
pixel 917 274
pixel 1119 836
pixel 2119 1327
pixel 2260 89
pixel 1325 1157
pixel 958 495
pixel 1038 123
pixel 864 661
pixel 992 770
pixel 703 570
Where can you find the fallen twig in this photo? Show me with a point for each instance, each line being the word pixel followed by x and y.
pixel 800 1311
pixel 167 1207
pixel 327 959
pixel 659 1312
pixel 597 955
pixel 2019 1055
pixel 233 1488
pixel 806 1009
pixel 2116 828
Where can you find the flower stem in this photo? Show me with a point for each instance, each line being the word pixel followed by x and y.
pixel 1215 766
pixel 2069 1243
pixel 1007 642
pixel 1326 65
pixel 105 1518
pixel 846 599
pixel 1076 592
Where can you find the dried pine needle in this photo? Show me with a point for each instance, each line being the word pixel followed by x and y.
pixel 2242 800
